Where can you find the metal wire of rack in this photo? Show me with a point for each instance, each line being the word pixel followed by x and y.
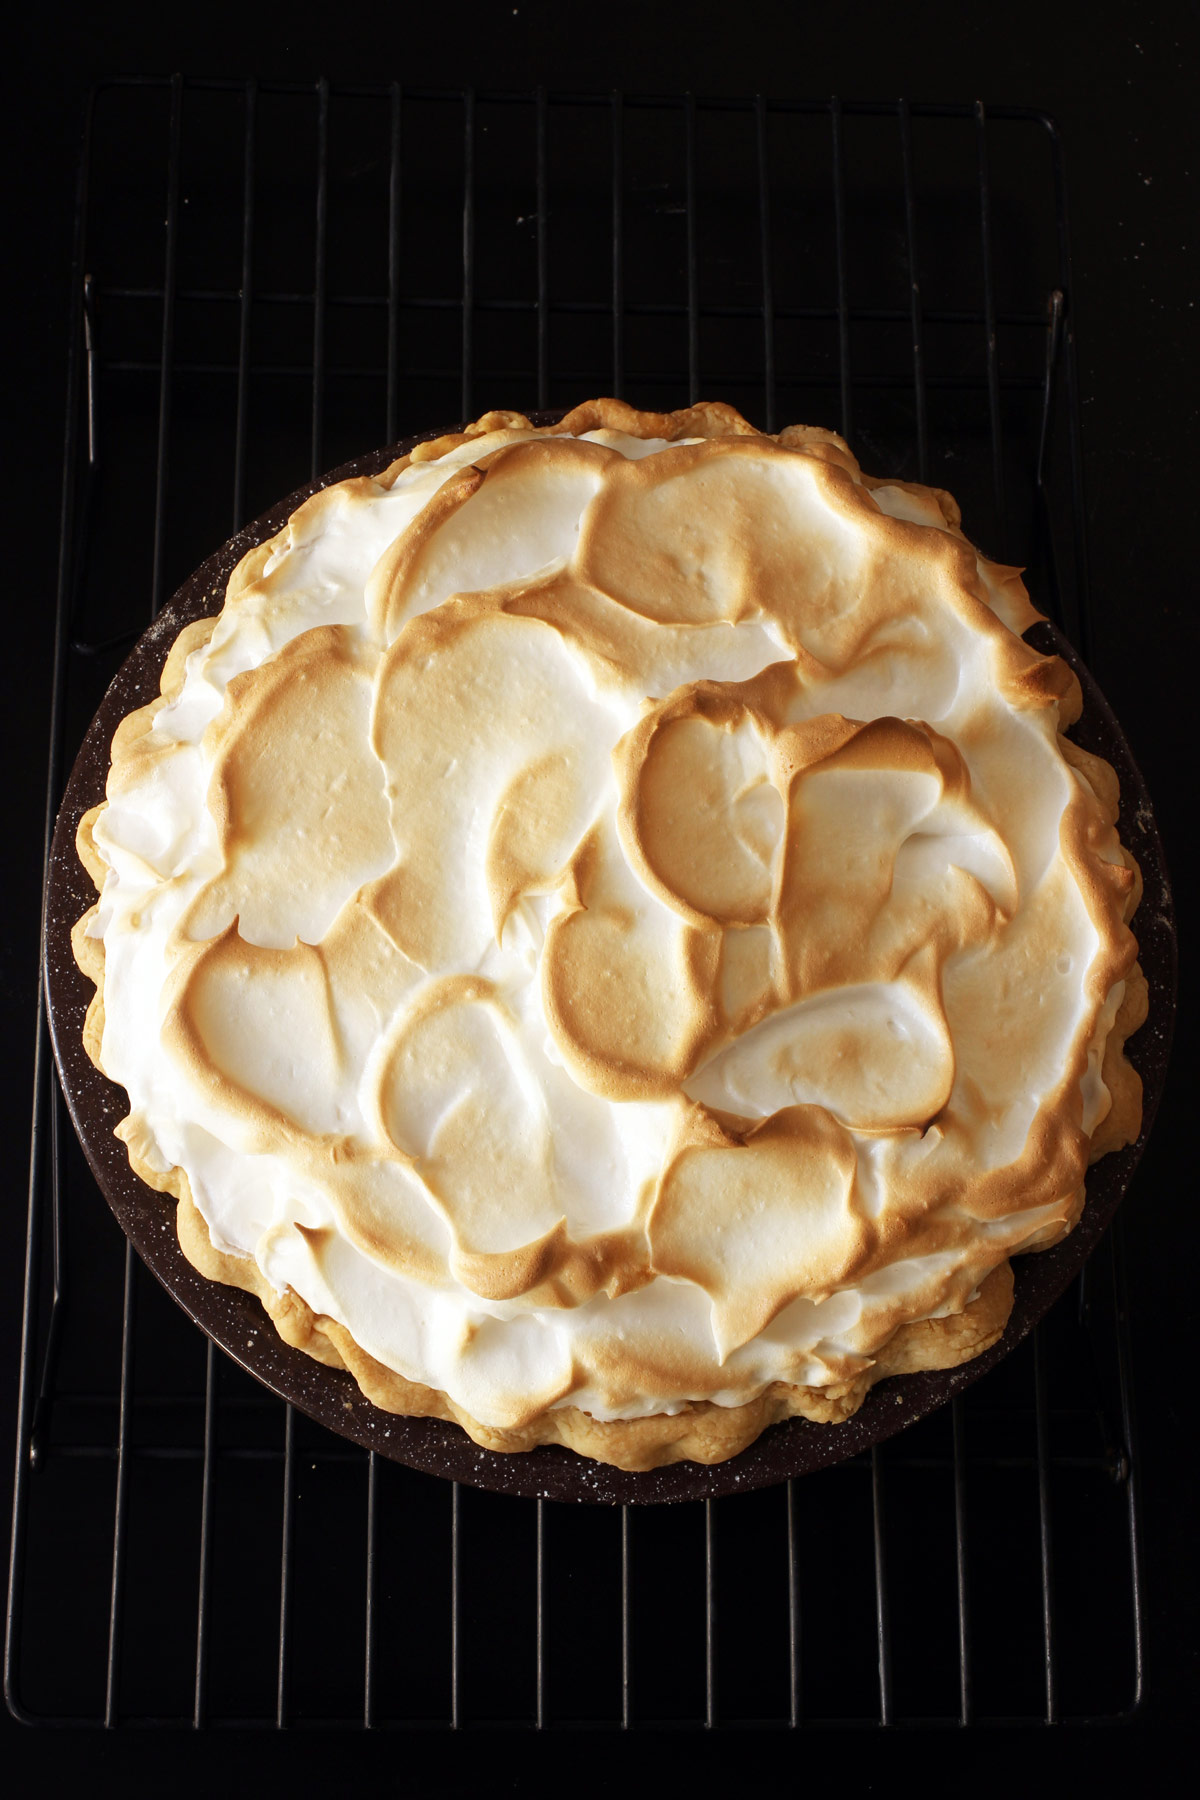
pixel 257 264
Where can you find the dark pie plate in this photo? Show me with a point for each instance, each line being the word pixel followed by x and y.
pixel 236 1321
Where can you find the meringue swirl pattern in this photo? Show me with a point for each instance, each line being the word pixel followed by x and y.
pixel 606 935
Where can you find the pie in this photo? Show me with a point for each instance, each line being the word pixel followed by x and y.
pixel 604 933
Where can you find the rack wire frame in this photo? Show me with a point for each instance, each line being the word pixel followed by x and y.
pixel 45 1227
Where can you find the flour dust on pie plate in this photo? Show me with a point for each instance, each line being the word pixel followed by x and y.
pixel 606 936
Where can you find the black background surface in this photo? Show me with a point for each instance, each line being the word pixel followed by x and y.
pixel 1122 84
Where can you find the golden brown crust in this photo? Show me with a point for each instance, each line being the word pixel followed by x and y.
pixel 700 1430
pixel 1123 1121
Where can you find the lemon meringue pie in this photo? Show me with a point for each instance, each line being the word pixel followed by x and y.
pixel 606 936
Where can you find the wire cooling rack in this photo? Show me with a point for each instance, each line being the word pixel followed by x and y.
pixel 269 278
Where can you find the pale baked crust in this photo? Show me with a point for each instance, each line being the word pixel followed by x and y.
pixel 699 1431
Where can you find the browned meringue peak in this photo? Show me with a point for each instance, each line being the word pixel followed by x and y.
pixel 608 417
pixel 474 709
pixel 879 1057
pixel 757 1220
pixel 383 1210
pixel 456 1099
pixel 885 868
pixel 526 499
pixel 701 820
pixel 627 985
pixel 1013 1009
pixel 453 1102
pixel 380 1219
pixel 711 790
pixel 238 1013
pixel 885 853
pixel 730 529
pixel 711 531
pixel 296 795
pixel 741 528
pixel 633 658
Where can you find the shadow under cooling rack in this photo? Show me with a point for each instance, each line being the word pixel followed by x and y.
pixel 269 279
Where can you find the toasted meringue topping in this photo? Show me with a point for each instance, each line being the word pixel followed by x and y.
pixel 609 921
